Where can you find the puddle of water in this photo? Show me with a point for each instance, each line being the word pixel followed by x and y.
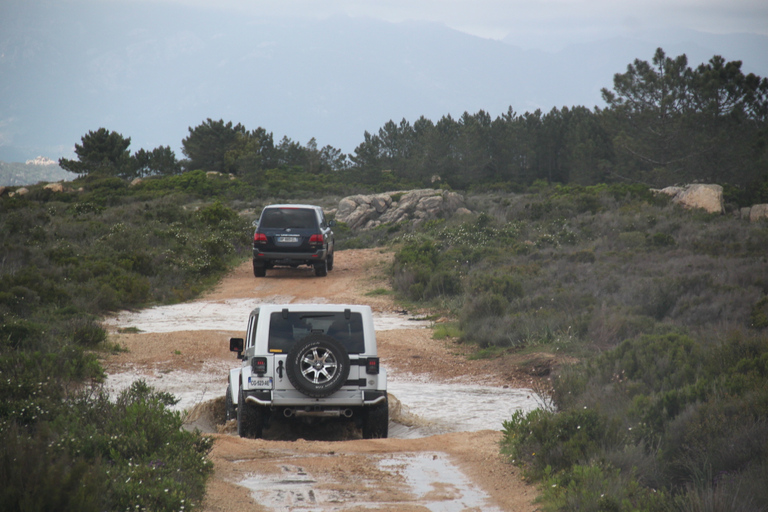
pixel 190 388
pixel 293 489
pixel 456 407
pixel 438 484
pixel 426 408
pixel 433 481
pixel 227 315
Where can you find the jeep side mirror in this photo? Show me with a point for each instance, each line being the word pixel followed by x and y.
pixel 331 223
pixel 236 345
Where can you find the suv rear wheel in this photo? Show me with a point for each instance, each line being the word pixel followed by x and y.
pixel 259 270
pixel 321 268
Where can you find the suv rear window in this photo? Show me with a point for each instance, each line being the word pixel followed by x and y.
pixel 281 218
pixel 284 332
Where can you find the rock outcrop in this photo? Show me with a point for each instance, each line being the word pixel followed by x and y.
pixel 707 197
pixel 758 212
pixel 19 192
pixel 369 211
pixel 56 187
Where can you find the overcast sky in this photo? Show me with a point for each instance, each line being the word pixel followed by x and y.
pixel 533 21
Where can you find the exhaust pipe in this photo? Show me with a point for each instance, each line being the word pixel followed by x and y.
pixel 347 413
pixel 287 412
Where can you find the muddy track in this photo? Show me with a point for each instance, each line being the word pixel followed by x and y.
pixel 328 468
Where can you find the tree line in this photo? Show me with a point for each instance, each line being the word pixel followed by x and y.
pixel 664 123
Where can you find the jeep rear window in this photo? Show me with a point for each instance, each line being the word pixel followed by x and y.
pixel 282 218
pixel 285 331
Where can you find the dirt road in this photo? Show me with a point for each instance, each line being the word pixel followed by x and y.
pixel 329 468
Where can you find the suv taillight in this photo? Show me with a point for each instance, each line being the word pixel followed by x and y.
pixel 259 238
pixel 259 365
pixel 372 366
pixel 316 239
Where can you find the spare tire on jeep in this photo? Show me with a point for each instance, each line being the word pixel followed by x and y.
pixel 317 365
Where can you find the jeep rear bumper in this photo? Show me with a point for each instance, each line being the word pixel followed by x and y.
pixel 342 398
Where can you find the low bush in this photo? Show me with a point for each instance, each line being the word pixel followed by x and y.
pixel 95 454
pixel 599 487
pixel 671 413
pixel 544 441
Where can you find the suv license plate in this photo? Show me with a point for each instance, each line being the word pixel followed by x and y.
pixel 287 239
pixel 260 382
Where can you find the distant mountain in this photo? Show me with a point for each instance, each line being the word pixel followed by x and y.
pixel 151 71
pixel 17 174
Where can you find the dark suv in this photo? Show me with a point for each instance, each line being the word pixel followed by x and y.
pixel 289 235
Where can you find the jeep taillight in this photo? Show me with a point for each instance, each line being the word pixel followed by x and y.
pixel 259 238
pixel 316 240
pixel 372 366
pixel 259 365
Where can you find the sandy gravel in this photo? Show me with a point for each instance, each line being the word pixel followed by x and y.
pixel 310 471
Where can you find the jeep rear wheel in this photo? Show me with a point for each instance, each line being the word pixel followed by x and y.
pixel 231 411
pixel 250 418
pixel 376 421
pixel 317 366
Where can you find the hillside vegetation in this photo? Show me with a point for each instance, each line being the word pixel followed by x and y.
pixel 66 259
pixel 666 311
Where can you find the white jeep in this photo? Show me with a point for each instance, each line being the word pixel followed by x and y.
pixel 308 362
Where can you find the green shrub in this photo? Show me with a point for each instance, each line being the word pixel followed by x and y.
pixel 504 285
pixel 418 254
pixel 598 488
pixel 446 330
pixel 583 256
pixel 631 240
pixel 493 331
pixel 758 317
pixel 85 331
pixel 216 213
pixel 484 305
pixel 442 283
pixel 661 240
pixel 37 478
pixel 18 333
pixel 540 439
pixel 132 453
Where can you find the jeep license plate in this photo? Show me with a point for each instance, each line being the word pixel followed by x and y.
pixel 287 239
pixel 260 382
